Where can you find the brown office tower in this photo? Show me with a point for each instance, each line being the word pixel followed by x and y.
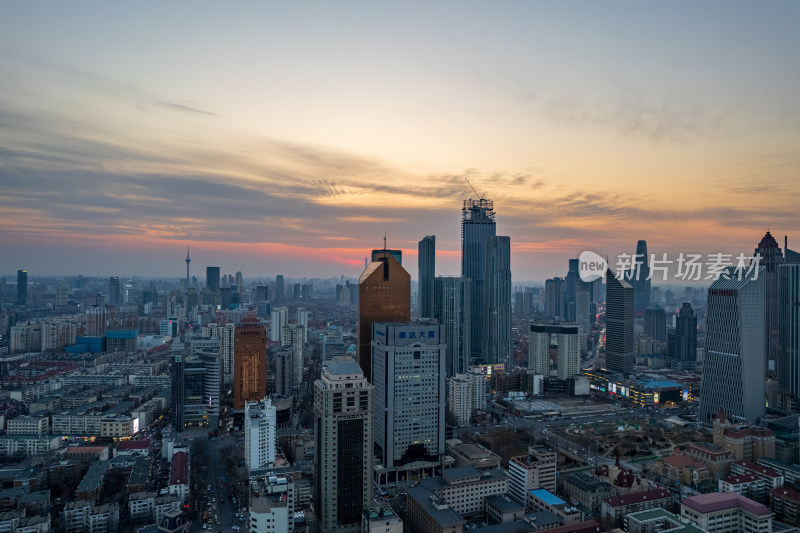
pixel 249 363
pixel 384 295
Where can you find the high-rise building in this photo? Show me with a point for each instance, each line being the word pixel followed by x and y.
pixel 384 296
pixel 22 287
pixel 620 346
pixel 497 303
pixel 554 298
pixel 343 459
pixel 566 337
pixel 114 291
pixel 189 404
pixel 459 398
pixel 655 321
pixel 733 363
pixel 526 472
pixel 279 317
pixel 212 278
pixel 250 363
pixel 408 375
pixel 640 278
pixel 212 385
pixel 376 254
pixel 279 295
pixel 302 321
pixel 682 343
pixel 332 343
pixel 260 422
pixel 292 340
pixel 451 308
pixel 789 325
pixel 283 372
pixel 771 258
pixel 427 271
pixel 570 290
pixel 477 226
pixel 94 322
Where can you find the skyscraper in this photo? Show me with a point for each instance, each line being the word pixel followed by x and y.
pixel 655 321
pixel 497 302
pixel 279 317
pixel 567 338
pixel 427 271
pixel 22 287
pixel 620 348
pixel 771 258
pixel 114 291
pixel 260 422
pixel 733 365
pixel 554 298
pixel 279 289
pixel 451 308
pixel 477 225
pixel 682 344
pixel 640 278
pixel 292 340
pixel 343 457
pixel 212 278
pixel 789 326
pixel 408 375
pixel 249 363
pixel 384 296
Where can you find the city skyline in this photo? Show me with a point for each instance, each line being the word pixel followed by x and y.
pixel 291 138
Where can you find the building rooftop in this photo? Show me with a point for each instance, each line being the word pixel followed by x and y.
pixel 785 493
pixel 141 444
pixel 504 503
pixel 742 478
pixel 718 501
pixel 547 497
pixel 94 477
pixel 587 483
pixel 343 366
pixel 755 467
pixel 180 469
pixel 638 497
pixel 440 512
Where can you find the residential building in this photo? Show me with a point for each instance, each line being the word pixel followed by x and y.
pixel 566 338
pixel 617 508
pixel 260 422
pixel 272 505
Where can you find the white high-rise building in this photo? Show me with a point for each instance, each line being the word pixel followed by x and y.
pixel 408 369
pixel 459 398
pixel 566 337
pixel 478 389
pixel 279 317
pixel 733 367
pixel 260 421
pixel 302 320
pixel 272 503
pixel 343 462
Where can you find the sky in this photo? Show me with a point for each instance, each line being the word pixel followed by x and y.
pixel 290 137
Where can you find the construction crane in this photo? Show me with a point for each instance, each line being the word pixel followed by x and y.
pixel 479 195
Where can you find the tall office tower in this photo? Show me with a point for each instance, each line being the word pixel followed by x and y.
pixel 283 372
pixel 408 375
pixel 771 258
pixel 22 287
pixel 332 343
pixel 427 271
pixel 639 278
pixel 239 279
pixel 189 403
pixel 188 260
pixel 302 320
pixel 682 343
pixel 570 290
pixel 789 325
pixel 212 278
pixel 260 421
pixel 343 457
pixel 292 340
pixel 451 307
pixel 477 226
pixel 554 298
pixel 279 317
pixel 620 346
pixel 567 339
pixel 655 321
pixel 583 312
pixel 250 363
pixel 497 303
pixel 733 364
pixel 384 296
pixel 212 385
pixel 94 322
pixel 262 292
pixel 114 291
pixel 279 289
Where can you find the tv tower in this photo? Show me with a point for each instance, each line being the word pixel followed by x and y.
pixel 188 260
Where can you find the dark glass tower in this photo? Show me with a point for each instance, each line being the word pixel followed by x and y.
pixel 655 322
pixel 640 278
pixel 771 258
pixel 620 351
pixel 682 344
pixel 427 271
pixel 22 287
pixel 477 225
pixel 451 307
pixel 212 278
pixel 497 309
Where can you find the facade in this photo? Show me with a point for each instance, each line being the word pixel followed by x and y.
pixel 554 298
pixel 279 317
pixel 459 398
pixel 384 295
pixel 620 349
pixel 533 471
pixel 640 278
pixel 212 278
pixel 250 363
pixel 292 340
pixel 497 301
pixel 719 512
pixel 28 425
pixel 733 365
pixel 189 407
pixel 426 261
pixel 588 491
pixel 785 503
pixel 567 338
pixel 789 341
pixel 771 257
pixel 682 343
pixel 655 322
pixel 452 308
pixel 382 520
pixel 477 227
pixel 408 368
pixel 465 488
pixel 272 505
pixel 260 421
pixel 343 460
pixel 617 508
pixel 22 287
